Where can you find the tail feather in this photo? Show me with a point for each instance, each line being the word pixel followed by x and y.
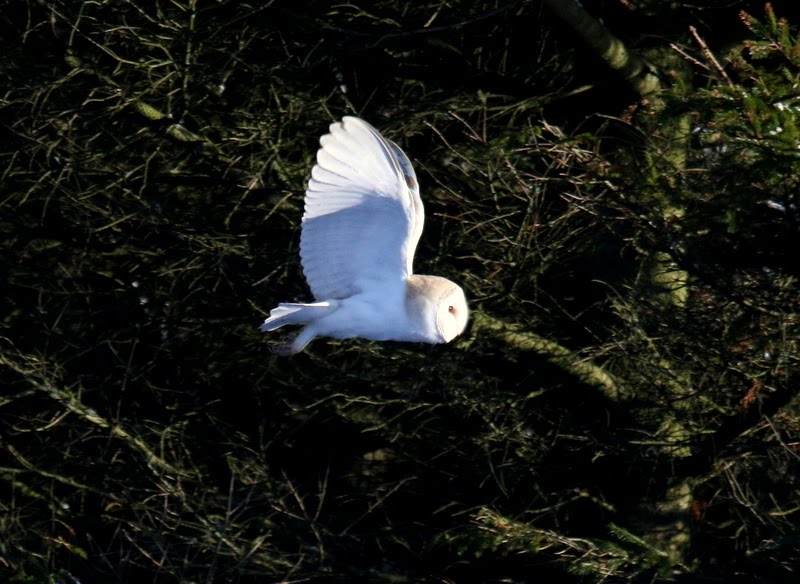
pixel 296 313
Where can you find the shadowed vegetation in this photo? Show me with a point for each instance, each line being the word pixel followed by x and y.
pixel 623 407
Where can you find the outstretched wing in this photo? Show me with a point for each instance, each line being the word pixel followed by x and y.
pixel 363 214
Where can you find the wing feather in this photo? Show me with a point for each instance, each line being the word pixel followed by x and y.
pixel 363 214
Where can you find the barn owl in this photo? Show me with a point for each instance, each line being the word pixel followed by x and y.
pixel 363 218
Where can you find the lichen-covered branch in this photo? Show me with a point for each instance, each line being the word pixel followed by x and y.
pixel 73 404
pixel 526 341
pixel 633 68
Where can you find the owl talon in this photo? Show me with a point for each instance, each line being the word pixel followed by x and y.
pixel 283 350
pixel 286 347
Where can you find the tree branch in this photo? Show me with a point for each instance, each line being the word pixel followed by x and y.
pixel 633 68
pixel 73 404
pixel 552 352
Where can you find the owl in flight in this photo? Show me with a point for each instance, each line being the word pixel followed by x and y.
pixel 363 218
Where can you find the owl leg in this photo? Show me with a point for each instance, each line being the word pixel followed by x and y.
pixel 283 350
pixel 296 343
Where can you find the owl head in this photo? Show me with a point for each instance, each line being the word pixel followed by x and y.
pixel 451 312
pixel 438 306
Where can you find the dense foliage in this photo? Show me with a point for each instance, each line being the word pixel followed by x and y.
pixel 623 408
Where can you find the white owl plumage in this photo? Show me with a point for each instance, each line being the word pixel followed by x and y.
pixel 363 218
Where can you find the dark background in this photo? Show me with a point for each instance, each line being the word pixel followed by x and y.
pixel 623 407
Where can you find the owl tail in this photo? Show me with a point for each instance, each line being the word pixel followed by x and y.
pixel 291 313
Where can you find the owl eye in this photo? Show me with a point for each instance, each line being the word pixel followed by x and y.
pixel 451 309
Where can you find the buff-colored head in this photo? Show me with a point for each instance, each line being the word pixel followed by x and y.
pixel 438 306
